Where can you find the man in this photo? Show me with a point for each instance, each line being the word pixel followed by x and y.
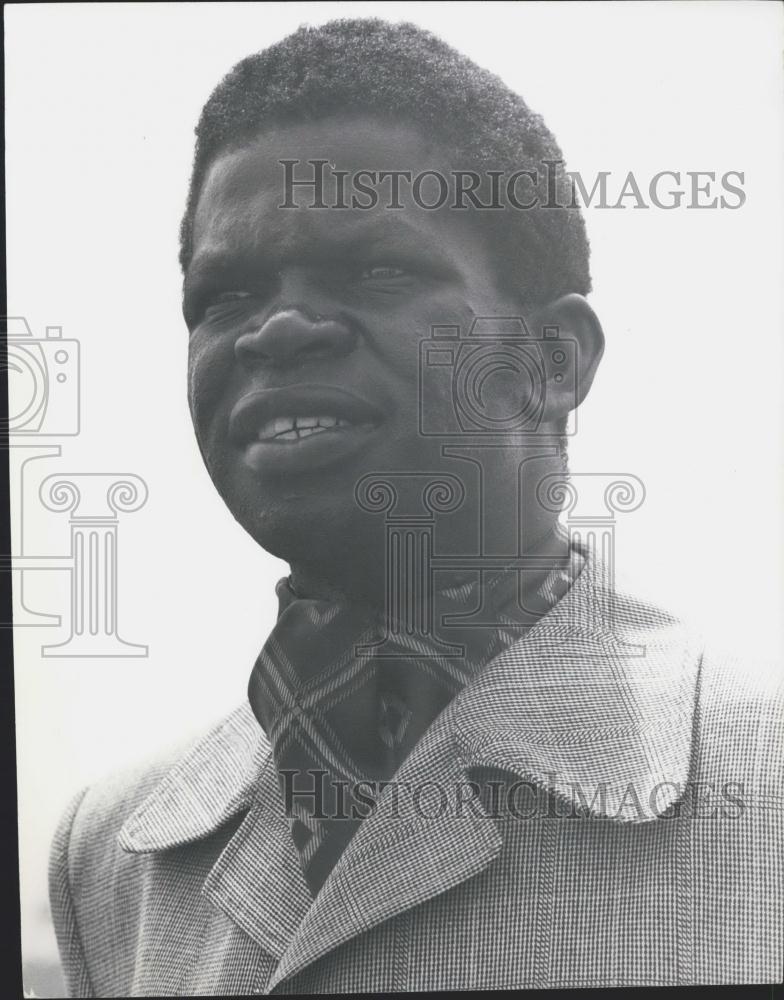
pixel 465 761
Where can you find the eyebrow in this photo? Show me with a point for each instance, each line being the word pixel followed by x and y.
pixel 213 264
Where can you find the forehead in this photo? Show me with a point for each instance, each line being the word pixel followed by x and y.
pixel 239 207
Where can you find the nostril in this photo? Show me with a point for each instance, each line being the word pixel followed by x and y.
pixel 249 345
pixel 295 333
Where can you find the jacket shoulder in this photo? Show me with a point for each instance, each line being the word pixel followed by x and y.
pixel 98 812
pixel 90 877
pixel 739 721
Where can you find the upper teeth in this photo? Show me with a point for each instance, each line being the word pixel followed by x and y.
pixel 291 428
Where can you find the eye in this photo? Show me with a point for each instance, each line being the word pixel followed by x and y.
pixel 383 272
pixel 221 298
pixel 223 305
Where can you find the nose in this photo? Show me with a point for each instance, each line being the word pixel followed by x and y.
pixel 293 335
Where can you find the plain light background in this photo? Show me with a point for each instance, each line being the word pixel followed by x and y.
pixel 101 104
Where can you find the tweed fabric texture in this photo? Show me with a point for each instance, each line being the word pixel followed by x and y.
pixel 643 845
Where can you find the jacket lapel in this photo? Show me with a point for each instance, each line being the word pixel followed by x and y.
pixel 257 880
pixel 418 843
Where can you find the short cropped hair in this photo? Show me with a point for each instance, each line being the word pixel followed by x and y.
pixel 403 73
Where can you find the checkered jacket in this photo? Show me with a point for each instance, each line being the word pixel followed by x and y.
pixel 652 853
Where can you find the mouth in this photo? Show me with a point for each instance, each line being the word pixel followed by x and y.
pixel 288 429
pixel 300 427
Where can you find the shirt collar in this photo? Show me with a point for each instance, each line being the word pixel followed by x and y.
pixel 595 704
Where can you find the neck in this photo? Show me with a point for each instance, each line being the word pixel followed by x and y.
pixel 346 576
pixel 359 573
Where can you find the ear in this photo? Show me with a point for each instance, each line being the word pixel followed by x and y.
pixel 569 368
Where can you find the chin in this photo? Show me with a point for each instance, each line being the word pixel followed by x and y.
pixel 299 526
pixel 312 517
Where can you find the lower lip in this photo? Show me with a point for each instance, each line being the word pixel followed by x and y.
pixel 312 452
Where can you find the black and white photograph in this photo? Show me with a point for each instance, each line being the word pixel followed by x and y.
pixel 395 486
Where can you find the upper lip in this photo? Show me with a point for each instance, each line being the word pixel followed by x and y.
pixel 256 408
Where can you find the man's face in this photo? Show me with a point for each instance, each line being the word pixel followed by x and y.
pixel 305 326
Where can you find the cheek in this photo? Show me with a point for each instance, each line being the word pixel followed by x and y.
pixel 413 325
pixel 210 367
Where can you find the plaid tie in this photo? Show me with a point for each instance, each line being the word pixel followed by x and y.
pixel 335 719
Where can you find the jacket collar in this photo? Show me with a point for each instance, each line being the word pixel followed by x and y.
pixel 594 705
pixel 212 783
